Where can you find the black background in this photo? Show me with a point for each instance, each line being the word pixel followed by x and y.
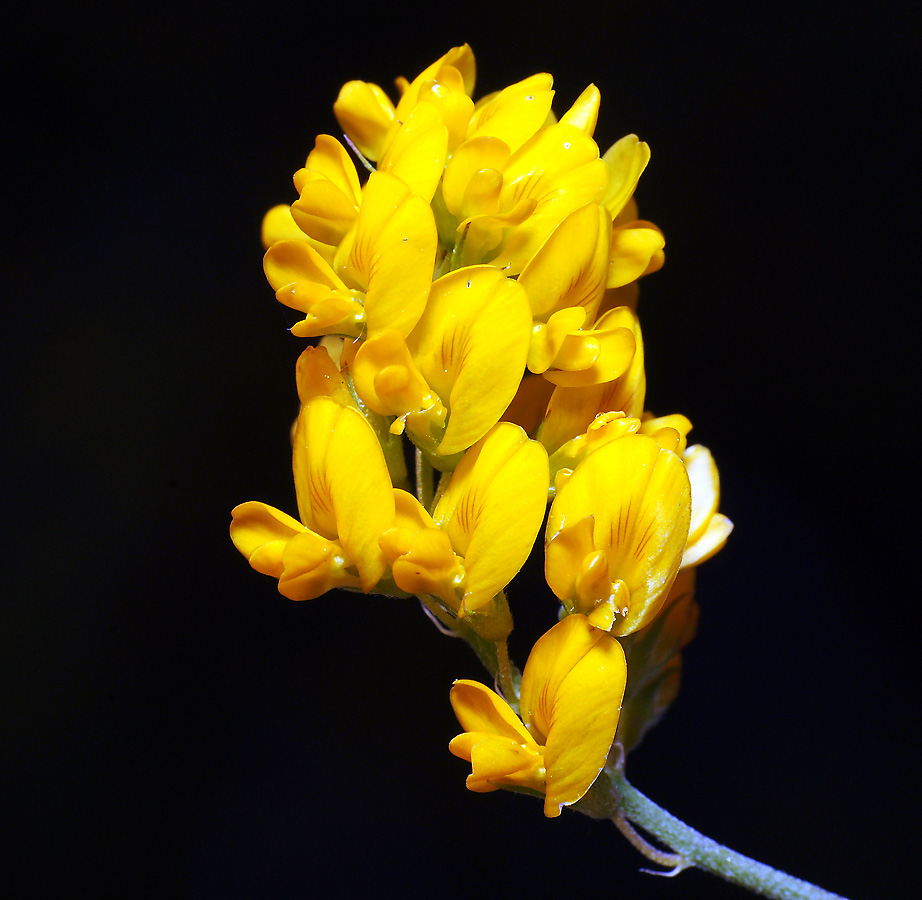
pixel 172 727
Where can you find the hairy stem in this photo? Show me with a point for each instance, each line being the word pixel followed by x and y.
pixel 691 848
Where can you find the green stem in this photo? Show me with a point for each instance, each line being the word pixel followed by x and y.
pixel 505 672
pixel 694 849
pixel 424 486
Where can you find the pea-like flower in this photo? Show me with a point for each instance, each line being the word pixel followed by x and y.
pixel 572 409
pixel 329 190
pixel 371 120
pixel 380 276
pixel 571 693
pixel 481 530
pixel 616 532
pixel 345 501
pixel 449 381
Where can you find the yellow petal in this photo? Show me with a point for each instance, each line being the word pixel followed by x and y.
pixel 625 161
pixel 318 376
pixel 342 482
pixel 633 246
pixel 304 281
pixel 471 344
pixel 289 262
pixel 500 749
pixel 426 565
pixel 713 539
pixel 675 422
pixel 278 225
pixel 388 380
pixel 260 532
pixel 603 614
pixel 571 694
pixel 571 410
pixel 584 113
pixel 557 195
pixel 421 557
pixel 481 194
pixel 571 267
pixel 501 761
pixel 551 153
pixel 329 192
pixel 564 558
pixel 595 356
pixel 460 58
pixel 325 311
pixel 705 488
pixel 365 113
pixel 401 277
pixel 492 509
pixel 605 427
pixel 480 709
pixel 393 254
pixel 330 159
pixel 548 339
pixel 515 113
pixel 382 196
pixel 447 95
pixel 642 525
pixel 417 153
pixel 410 513
pixel 323 212
pixel 476 155
pixel 312 566
pixel 482 235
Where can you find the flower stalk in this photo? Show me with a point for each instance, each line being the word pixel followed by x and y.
pixel 504 675
pixel 424 486
pixel 694 849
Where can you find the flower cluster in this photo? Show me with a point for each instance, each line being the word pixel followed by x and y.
pixel 474 301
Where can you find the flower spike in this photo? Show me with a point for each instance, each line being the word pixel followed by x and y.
pixel 474 299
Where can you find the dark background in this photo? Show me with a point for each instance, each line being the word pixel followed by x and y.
pixel 172 727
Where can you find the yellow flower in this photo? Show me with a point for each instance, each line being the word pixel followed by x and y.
pixel 492 509
pixel 669 431
pixel 452 378
pixel 572 409
pixel 345 502
pixel 605 427
pixel 553 173
pixel 421 556
pixel 380 276
pixel 571 695
pixel 570 269
pixel 616 532
pixel 418 151
pixel 317 375
pixel 329 190
pixel 370 119
pixel 481 530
